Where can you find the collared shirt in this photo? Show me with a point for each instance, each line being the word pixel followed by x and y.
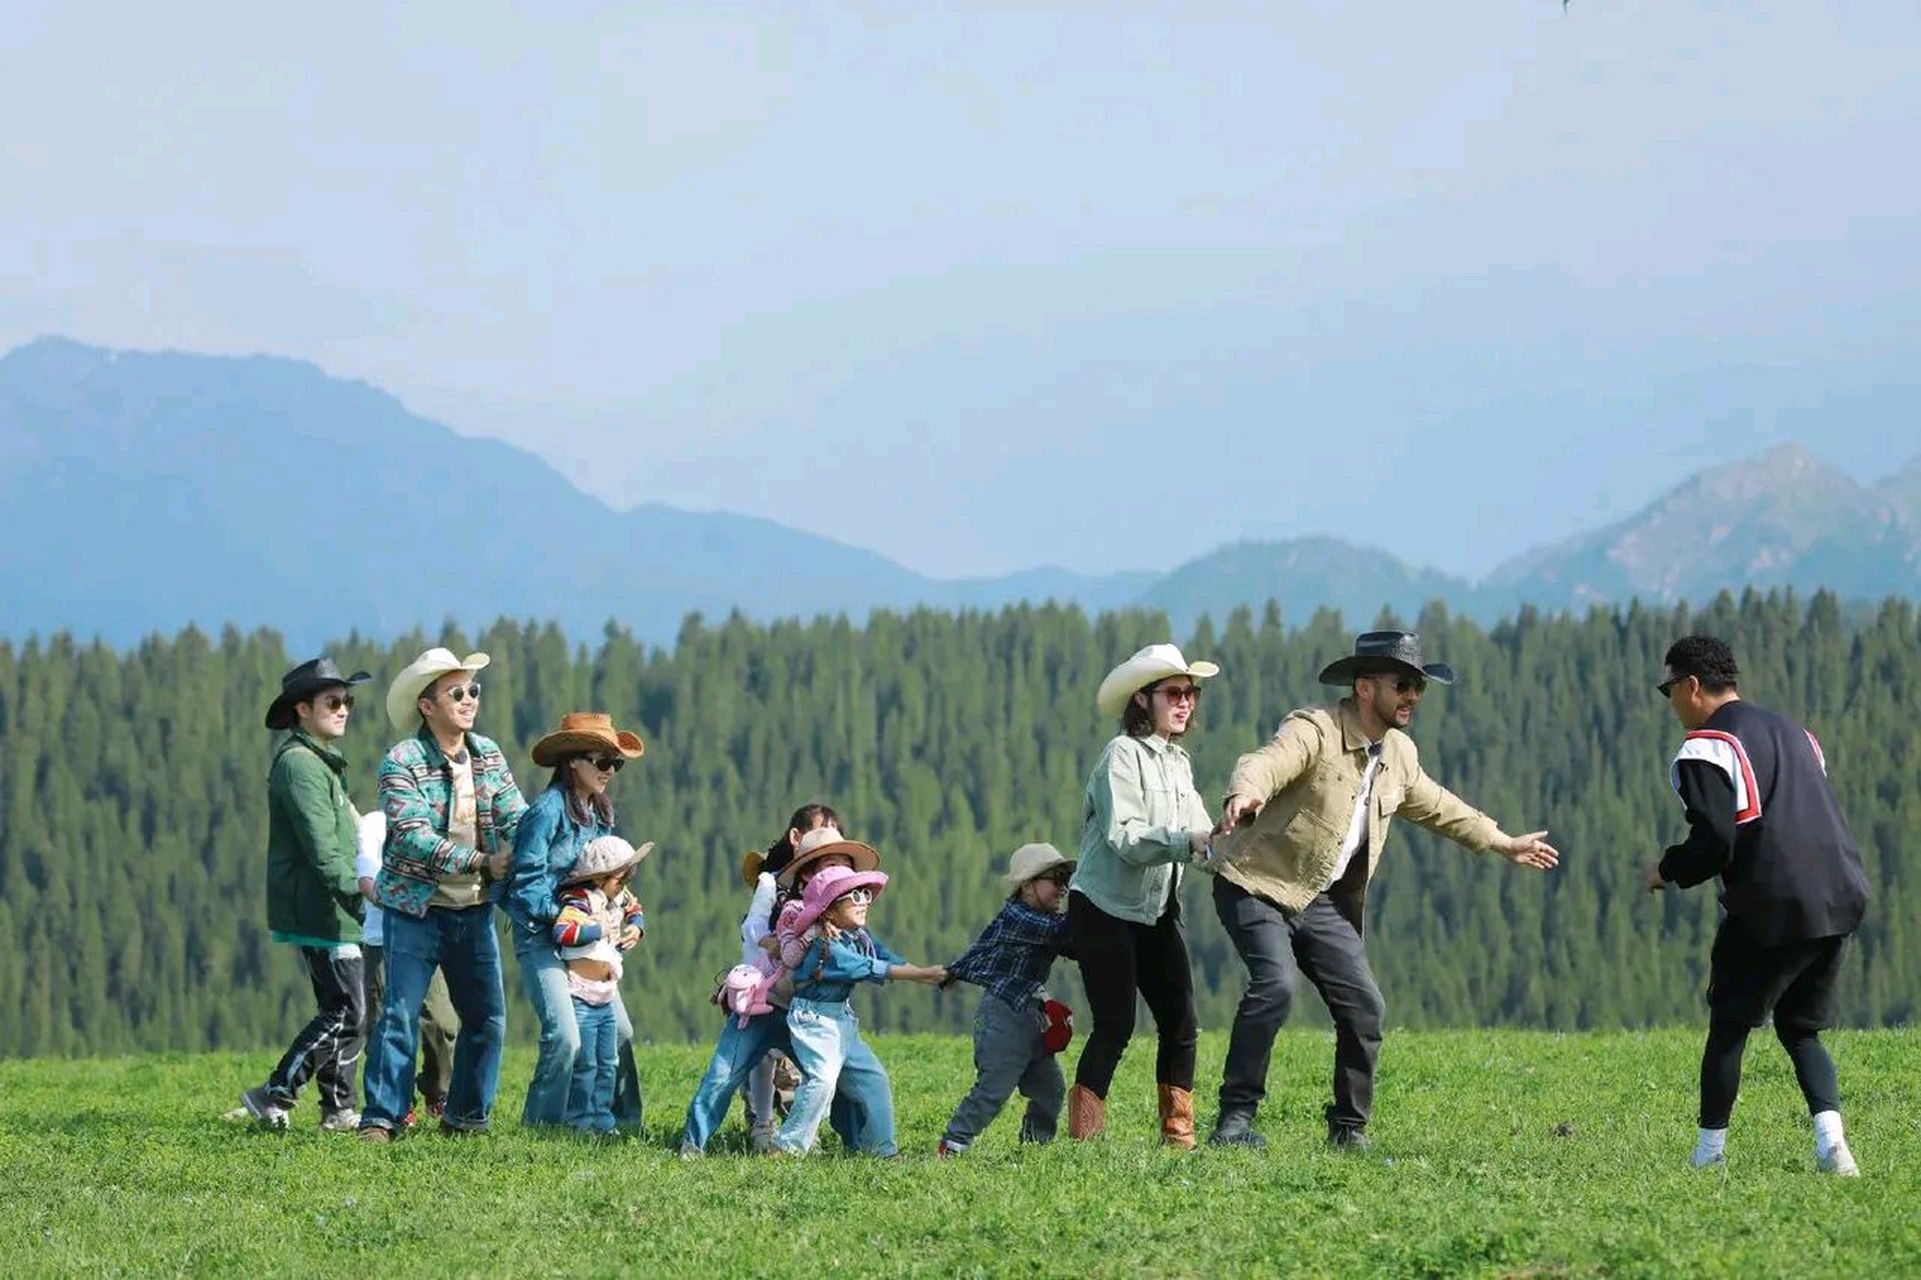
pixel 546 845
pixel 1013 954
pixel 1141 811
pixel 832 966
pixel 1357 825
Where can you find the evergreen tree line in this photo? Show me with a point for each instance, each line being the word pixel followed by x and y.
pixel 132 802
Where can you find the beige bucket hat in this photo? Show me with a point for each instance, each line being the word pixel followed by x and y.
pixel 1155 662
pixel 413 680
pixel 605 855
pixel 1031 861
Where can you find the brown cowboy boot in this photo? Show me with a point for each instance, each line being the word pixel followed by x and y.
pixel 1177 1117
pixel 1086 1113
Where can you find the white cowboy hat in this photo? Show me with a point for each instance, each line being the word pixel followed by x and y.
pixel 1031 861
pixel 1155 662
pixel 407 687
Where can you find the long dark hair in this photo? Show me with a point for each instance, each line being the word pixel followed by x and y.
pixel 805 819
pixel 1137 721
pixel 562 778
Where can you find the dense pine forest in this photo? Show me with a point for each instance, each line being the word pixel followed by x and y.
pixel 132 802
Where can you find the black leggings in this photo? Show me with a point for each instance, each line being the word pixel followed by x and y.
pixel 1721 1070
pixel 1117 958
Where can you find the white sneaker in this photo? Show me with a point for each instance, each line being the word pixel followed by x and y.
pixel 1839 1161
pixel 1703 1159
pixel 269 1113
pixel 340 1121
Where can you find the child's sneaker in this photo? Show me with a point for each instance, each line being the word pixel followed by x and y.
pixel 1839 1161
pixel 264 1109
pixel 340 1121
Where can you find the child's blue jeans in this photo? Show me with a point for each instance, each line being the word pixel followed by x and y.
pixel 831 1055
pixel 590 1095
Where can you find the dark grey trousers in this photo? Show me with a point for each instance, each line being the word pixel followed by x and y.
pixel 1276 946
pixel 1008 1056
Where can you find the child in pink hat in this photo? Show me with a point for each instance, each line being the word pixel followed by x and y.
pixel 820 1021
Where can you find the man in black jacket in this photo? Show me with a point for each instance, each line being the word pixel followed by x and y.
pixel 1762 817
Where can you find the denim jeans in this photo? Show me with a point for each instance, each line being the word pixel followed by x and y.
pixel 1008 1055
pixel 543 975
pixel 438 1023
pixel 834 1063
pixel 590 1106
pixel 740 1049
pixel 460 943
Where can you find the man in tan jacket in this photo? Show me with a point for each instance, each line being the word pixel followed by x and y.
pixel 1300 835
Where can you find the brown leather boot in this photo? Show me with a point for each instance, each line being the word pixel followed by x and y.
pixel 1177 1117
pixel 1086 1113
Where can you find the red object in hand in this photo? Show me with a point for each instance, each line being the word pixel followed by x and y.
pixel 1060 1026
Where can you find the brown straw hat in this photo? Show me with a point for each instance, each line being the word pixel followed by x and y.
pixel 584 731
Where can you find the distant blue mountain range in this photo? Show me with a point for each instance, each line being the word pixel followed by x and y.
pixel 143 491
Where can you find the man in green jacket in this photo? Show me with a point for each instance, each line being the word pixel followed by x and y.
pixel 313 895
pixel 1302 830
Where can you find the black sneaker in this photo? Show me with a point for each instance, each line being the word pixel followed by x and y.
pixel 1236 1129
pixel 1346 1138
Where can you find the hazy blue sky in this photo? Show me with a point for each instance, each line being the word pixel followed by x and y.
pixel 1101 285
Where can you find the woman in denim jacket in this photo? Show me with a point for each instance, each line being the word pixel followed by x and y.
pixel 584 754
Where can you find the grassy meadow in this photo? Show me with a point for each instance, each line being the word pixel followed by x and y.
pixel 1497 1153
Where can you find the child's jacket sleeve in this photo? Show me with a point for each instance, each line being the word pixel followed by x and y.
pixel 576 924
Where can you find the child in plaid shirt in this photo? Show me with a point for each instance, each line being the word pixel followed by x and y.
pixel 1010 961
pixel 598 920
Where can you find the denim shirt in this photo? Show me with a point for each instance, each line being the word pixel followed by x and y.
pixel 1141 809
pixel 832 967
pixel 546 843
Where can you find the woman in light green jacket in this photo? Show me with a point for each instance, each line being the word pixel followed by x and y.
pixel 1144 821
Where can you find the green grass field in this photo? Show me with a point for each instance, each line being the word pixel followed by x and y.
pixel 1497 1153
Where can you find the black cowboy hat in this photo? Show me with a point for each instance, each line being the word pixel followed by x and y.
pixel 1376 652
pixel 302 683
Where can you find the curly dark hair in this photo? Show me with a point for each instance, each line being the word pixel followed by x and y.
pixel 1707 658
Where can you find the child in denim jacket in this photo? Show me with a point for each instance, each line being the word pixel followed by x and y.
pixel 820 1022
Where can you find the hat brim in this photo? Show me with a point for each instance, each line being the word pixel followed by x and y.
pixel 1122 683
pixel 865 858
pixel 751 863
pixel 1013 881
pixel 280 714
pixel 640 856
pixel 1347 670
pixel 875 880
pixel 557 746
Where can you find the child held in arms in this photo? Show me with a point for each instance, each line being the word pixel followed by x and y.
pixel 599 920
pixel 820 1021
pixel 1017 1029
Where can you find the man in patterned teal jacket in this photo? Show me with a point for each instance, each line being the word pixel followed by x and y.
pixel 451 806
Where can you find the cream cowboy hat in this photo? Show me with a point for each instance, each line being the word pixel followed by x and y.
pixel 584 731
pixel 407 687
pixel 1155 662
pixel 603 856
pixel 1031 861
pixel 824 842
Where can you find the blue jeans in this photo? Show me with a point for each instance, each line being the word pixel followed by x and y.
pixel 860 1128
pixel 590 1106
pixel 836 1063
pixel 461 944
pixel 543 974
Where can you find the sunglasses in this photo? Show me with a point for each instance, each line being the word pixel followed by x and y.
pixel 607 764
pixel 335 701
pixel 460 693
pixel 1666 687
pixel 859 897
pixel 1180 693
pixel 1407 684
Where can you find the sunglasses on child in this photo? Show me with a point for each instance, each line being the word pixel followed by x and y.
pixel 859 897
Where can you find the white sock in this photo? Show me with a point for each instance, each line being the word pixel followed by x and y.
pixel 1827 1133
pixel 1710 1145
